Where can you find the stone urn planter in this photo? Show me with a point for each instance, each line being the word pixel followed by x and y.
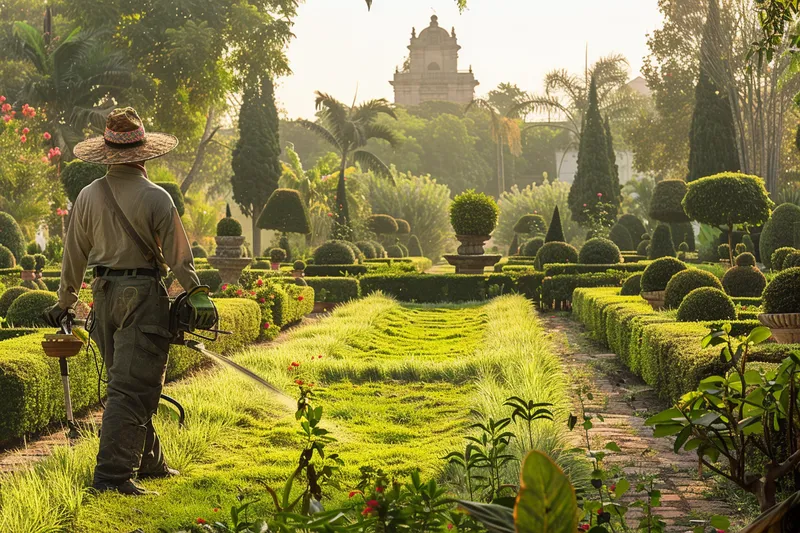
pixel 229 246
pixel 28 275
pixel 473 217
pixel 785 326
pixel 471 244
pixel 472 264
pixel 655 299
pixel 230 268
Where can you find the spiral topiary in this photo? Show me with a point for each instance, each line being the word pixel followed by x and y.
pixel 706 304
pixel 8 297
pixel 334 253
pixel 27 262
pixel 599 251
pixel 403 227
pixel 531 225
pixel 745 259
pixel 620 236
pixel 555 252
pixel 532 247
pixel 658 273
pixel 28 309
pixel 661 245
pixel 778 257
pixel 782 295
pixel 367 249
pixel 277 255
pixel 6 258
pixel 632 285
pixel 685 282
pixel 382 224
pixel 741 281
pixel 414 247
pixel 473 213
pixel 394 251
pixel 11 236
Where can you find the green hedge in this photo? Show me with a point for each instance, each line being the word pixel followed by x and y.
pixel 426 288
pixel 336 290
pixel 665 353
pixel 556 269
pixel 298 302
pixel 336 270
pixel 557 290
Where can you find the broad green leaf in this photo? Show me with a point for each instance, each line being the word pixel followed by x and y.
pixel 546 501
pixel 757 336
pixel 496 518
pixel 682 437
pixel 664 416
pixel 666 430
pixel 720 522
pixel 613 447
pixel 623 486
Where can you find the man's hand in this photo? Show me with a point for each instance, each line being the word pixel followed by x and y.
pixel 205 314
pixel 55 315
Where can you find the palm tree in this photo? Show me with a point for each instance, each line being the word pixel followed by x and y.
pixel 76 81
pixel 505 131
pixel 348 129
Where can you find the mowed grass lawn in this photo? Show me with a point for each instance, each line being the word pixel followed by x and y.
pixel 399 384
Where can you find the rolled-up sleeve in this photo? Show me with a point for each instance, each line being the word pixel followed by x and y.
pixel 176 249
pixel 77 245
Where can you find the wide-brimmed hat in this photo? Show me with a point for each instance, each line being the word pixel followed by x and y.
pixel 124 141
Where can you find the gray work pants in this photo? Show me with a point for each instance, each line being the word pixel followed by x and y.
pixel 131 330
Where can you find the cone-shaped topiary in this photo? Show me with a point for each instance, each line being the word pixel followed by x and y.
pixel 27 262
pixel 706 304
pixel 6 258
pixel 403 227
pixel 28 309
pixel 76 175
pixel 555 232
pixel 532 247
pixel 665 205
pixel 531 225
pixel 513 248
pixel 175 193
pixel 382 224
pixel 658 273
pixel 685 282
pixel 394 251
pixel 367 249
pixel 632 285
pixel 635 228
pixel 744 281
pixel 782 295
pixel 661 244
pixel 8 297
pixel 599 251
pixel 285 212
pixel 620 236
pixel 555 252
pixel 334 253
pixel 229 226
pixel 414 247
pixel 777 232
pixel 746 259
pixel 778 257
pixel 11 236
pixel 277 255
pixel 473 213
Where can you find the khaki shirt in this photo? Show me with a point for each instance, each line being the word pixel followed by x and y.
pixel 96 237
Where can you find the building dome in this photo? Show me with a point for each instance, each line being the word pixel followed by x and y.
pixel 433 34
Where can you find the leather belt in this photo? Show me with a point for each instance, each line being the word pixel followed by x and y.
pixel 126 272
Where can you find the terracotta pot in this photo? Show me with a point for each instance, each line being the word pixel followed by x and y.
pixel 471 244
pixel 298 273
pixel 275 266
pixel 655 299
pixel 28 275
pixel 785 326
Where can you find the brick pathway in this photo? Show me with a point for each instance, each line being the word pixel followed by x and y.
pixel 624 401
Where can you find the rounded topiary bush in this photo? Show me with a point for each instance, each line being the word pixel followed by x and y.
pixel 532 246
pixel 661 245
pixel 8 297
pixel 414 247
pixel 665 205
pixel 632 285
pixel 76 175
pixel 28 309
pixel 11 236
pixel 706 303
pixel 33 248
pixel 635 228
pixel 394 251
pixel 620 236
pixel 555 252
pixel 359 255
pixel 382 224
pixel 777 232
pixel 229 227
pixel 175 193
pixel 643 248
pixel 299 265
pixel 778 256
pixel 744 281
pixel 724 251
pixel 367 249
pixel 685 282
pixel 658 273
pixel 791 260
pixel 285 212
pixel 403 227
pixel 27 262
pixel 782 295
pixel 599 251
pixel 531 224
pixel 379 249
pixel 199 251
pixel 473 213
pixel 745 259
pixel 683 247
pixel 39 262
pixel 6 258
pixel 334 253
pixel 277 255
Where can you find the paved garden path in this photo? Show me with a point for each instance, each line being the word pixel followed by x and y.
pixel 624 401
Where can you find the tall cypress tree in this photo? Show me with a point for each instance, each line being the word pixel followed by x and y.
pixel 612 161
pixel 593 183
pixel 256 157
pixel 555 232
pixel 712 137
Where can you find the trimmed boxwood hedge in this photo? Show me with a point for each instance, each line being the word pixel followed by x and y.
pixel 599 251
pixel 334 253
pixel 659 272
pixel 778 232
pixel 778 257
pixel 555 252
pixel 557 290
pixel 367 249
pixel 554 269
pixel 782 295
pixel 744 281
pixel 632 285
pixel 336 270
pixel 336 290
pixel 706 303
pixel 531 247
pixel 8 297
pixel 685 282
pixel 427 288
pixel 30 384
pixel 28 308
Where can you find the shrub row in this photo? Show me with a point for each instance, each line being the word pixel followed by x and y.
pixel 569 268
pixel 557 290
pixel 426 288
pixel 665 353
pixel 334 290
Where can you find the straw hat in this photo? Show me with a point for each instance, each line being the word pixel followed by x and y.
pixel 124 141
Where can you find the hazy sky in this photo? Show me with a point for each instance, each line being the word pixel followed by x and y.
pixel 340 46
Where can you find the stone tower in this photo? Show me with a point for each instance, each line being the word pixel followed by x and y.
pixel 431 72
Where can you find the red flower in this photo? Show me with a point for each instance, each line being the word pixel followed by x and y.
pixel 224 287
pixel 91 305
pixel 600 511
pixel 2 99
pixel 330 214
pixel 353 493
pixel 252 293
pixel 613 487
pixel 23 138
pixel 25 131
pixel 7 118
pixel 239 292
pixel 262 300
pixel 720 531
pixel 216 509
pixel 373 503
pixel 367 511
pixel 585 527
pixel 319 356
pixel 266 325
pixel 379 489
pixel 259 282
pixel 295 364
pixel 298 382
pixel 300 298
pixel 449 526
pixel 6 108
pixel 46 136
pixel 201 521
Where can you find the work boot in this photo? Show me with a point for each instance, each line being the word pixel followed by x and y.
pixel 128 488
pixel 166 472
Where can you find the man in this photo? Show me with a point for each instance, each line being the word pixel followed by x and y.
pixel 126 228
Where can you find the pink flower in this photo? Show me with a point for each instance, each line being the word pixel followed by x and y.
pixel 45 159
pixel 7 118
pixel 373 503
pixel 266 325
pixel 46 136
pixel 23 139
pixel 449 526
pixel 2 99
pixel 599 195
pixel 585 527
pixel 330 214
pixel 6 108
pixel 584 205
pixel 224 287
pixel 25 131
pixel 262 300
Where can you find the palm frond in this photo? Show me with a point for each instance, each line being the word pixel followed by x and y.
pixel 369 110
pixel 370 161
pixel 562 81
pixel 335 116
pixel 550 104
pixel 33 45
pixel 380 131
pixel 322 132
